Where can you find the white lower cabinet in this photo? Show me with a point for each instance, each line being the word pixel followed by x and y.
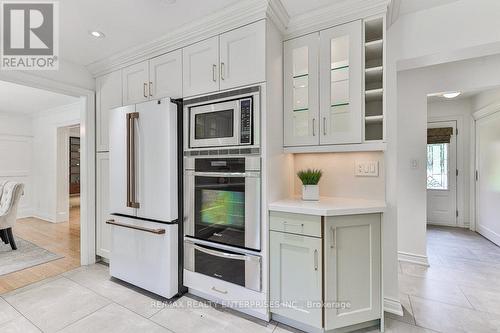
pixel 352 269
pixel 103 230
pixel 296 275
pixel 340 268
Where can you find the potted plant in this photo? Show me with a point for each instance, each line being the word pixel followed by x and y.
pixel 310 179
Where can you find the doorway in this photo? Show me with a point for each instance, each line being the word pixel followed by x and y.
pixel 487 177
pixel 442 173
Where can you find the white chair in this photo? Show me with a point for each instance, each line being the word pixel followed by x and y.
pixel 10 195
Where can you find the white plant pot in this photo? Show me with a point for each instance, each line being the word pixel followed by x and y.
pixel 310 192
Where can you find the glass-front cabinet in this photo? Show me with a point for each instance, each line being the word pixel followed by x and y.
pixel 323 87
pixel 301 91
pixel 340 84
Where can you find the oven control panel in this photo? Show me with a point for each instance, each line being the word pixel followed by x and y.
pixel 246 121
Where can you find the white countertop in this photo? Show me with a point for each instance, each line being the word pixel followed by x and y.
pixel 329 206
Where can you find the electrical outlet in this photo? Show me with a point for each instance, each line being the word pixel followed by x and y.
pixel 366 169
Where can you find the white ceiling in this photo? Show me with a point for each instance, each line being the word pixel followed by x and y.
pixel 126 23
pixel 15 98
pixel 410 6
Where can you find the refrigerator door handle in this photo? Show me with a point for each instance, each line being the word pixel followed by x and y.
pixel 157 231
pixel 131 172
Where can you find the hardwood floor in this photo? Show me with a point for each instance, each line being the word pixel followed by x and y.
pixel 60 238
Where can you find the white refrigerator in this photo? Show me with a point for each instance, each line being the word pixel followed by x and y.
pixel 143 195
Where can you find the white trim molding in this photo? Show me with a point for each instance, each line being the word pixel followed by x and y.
pixel 488 233
pixel 393 306
pixel 417 259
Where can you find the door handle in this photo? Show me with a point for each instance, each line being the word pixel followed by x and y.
pixel 324 126
pixel 144 88
pixel 333 242
pixel 219 291
pixel 316 260
pixel 222 70
pixel 150 88
pixel 314 126
pixel 131 180
pixel 135 227
pixel 214 70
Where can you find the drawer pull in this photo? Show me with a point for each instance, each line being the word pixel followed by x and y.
pixel 219 291
pixel 294 224
pixel 333 242
pixel 131 226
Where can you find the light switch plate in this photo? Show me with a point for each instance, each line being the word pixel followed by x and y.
pixel 366 169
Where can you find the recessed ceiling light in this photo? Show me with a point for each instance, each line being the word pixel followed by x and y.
pixel 96 34
pixel 451 94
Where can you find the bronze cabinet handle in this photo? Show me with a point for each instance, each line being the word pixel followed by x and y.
pixel 150 88
pixel 144 88
pixel 130 226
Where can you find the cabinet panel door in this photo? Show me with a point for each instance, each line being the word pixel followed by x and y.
pixel 243 55
pixel 103 238
pixel 301 118
pixel 109 96
pixel 200 67
pixel 136 83
pixel 296 277
pixel 165 75
pixel 341 84
pixel 352 269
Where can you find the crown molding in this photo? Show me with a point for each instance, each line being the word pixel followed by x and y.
pixel 335 14
pixel 241 13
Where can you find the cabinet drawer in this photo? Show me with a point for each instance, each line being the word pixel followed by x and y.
pixel 301 224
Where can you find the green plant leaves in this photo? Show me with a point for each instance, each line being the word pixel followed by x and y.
pixel 310 176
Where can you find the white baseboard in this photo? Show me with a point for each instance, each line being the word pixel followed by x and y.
pixel 488 233
pixel 413 258
pixel 24 212
pixel 44 217
pixel 393 306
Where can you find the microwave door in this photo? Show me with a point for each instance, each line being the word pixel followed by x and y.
pixel 119 160
pixel 215 125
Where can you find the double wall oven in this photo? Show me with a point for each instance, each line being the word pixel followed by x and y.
pixel 222 184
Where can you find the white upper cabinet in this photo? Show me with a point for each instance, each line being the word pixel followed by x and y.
pixel 103 230
pixel 108 96
pixel 352 269
pixel 242 56
pixel 341 84
pixel 136 83
pixel 301 105
pixel 200 67
pixel 165 75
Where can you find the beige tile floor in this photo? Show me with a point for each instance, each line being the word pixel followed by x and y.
pixel 460 292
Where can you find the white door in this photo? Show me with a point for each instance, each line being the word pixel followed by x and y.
pixel 165 75
pixel 118 161
pixel 352 270
pixel 103 235
pixel 200 63
pixel 243 56
pixel 341 84
pixel 442 178
pixel 296 276
pixel 156 157
pixel 301 95
pixel 109 96
pixel 136 83
pixel 488 177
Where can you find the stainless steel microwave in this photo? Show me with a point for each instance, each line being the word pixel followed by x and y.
pixel 229 121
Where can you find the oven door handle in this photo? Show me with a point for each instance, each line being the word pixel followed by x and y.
pixel 225 174
pixel 222 254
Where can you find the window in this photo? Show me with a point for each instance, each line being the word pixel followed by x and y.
pixel 437 166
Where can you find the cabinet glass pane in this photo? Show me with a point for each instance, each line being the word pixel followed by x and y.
pixel 339 120
pixel 301 92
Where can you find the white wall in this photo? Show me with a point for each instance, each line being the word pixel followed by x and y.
pixel 16 150
pixel 46 151
pixel 338 178
pixel 461 111
pixel 485 98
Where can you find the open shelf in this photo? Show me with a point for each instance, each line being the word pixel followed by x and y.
pixel 374 79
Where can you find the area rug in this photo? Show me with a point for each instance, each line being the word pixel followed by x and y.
pixel 26 255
